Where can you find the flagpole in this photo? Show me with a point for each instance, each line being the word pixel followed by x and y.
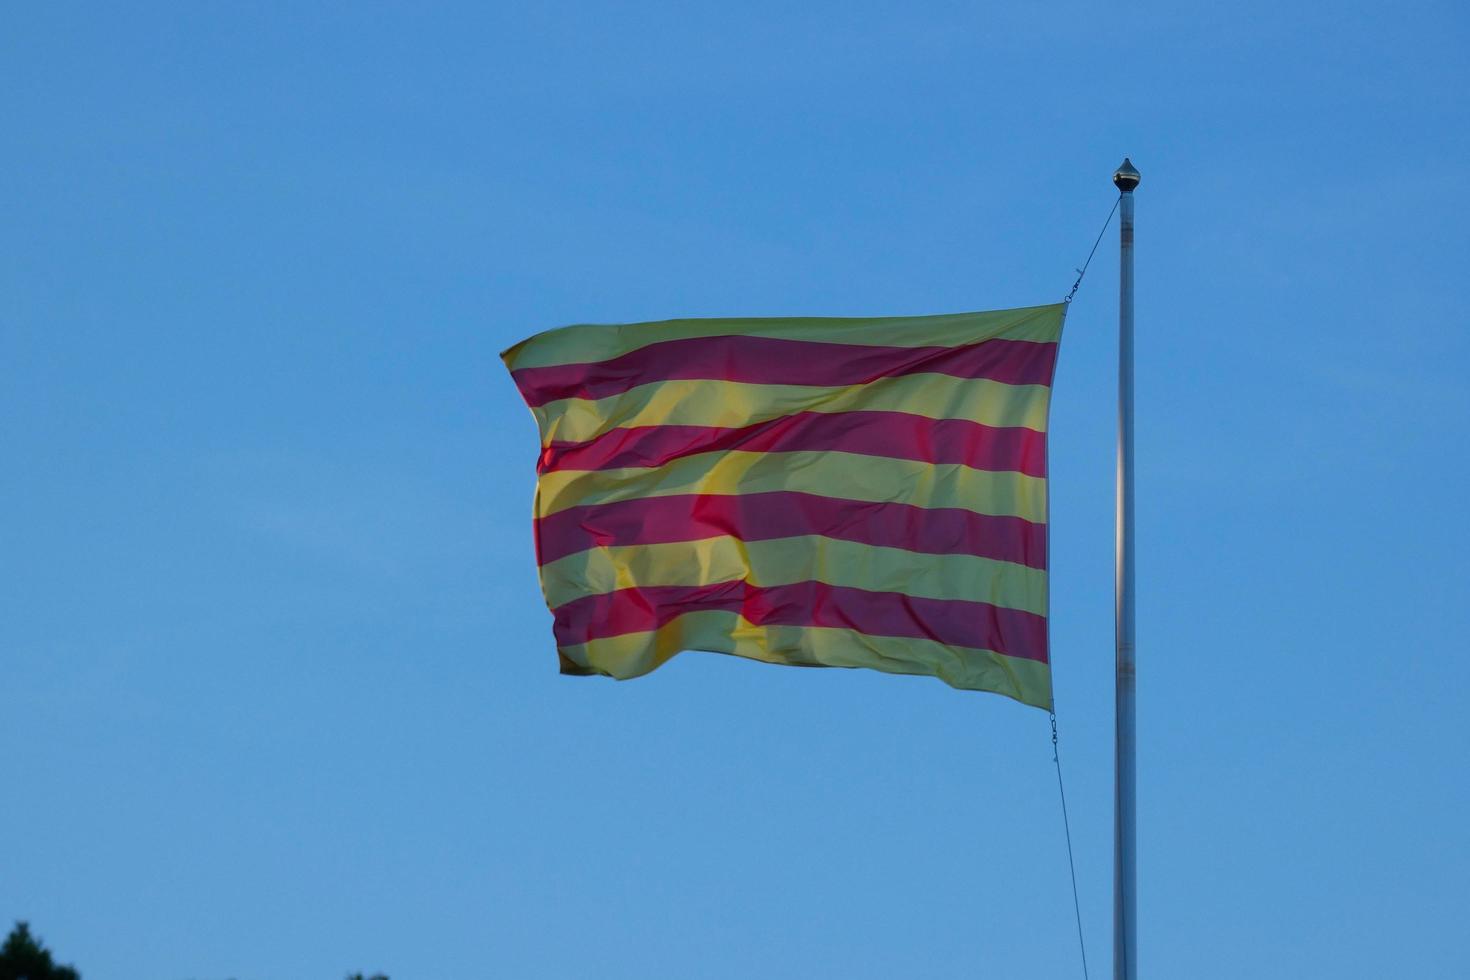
pixel 1125 923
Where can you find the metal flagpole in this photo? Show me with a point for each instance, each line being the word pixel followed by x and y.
pixel 1125 922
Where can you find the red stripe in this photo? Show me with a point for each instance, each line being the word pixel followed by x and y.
pixel 767 360
pixel 890 434
pixel 953 622
pixel 785 514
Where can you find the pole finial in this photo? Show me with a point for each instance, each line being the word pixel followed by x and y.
pixel 1126 176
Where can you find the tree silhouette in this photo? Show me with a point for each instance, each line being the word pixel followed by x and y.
pixel 24 958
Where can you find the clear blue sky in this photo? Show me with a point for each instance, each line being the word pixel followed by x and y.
pixel 278 697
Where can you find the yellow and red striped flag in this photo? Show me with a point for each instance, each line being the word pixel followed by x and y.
pixel 816 492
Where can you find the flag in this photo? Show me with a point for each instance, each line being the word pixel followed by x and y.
pixel 815 492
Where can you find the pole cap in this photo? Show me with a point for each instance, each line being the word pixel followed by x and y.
pixel 1126 176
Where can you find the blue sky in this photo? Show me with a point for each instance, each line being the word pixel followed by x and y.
pixel 279 696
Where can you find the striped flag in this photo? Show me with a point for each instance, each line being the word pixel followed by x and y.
pixel 815 492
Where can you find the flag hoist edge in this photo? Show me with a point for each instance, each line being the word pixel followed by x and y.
pixel 818 492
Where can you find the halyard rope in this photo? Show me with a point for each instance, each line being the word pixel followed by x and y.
pixel 1067 826
pixel 1083 271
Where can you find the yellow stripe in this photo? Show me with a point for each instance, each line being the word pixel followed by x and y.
pixel 597 342
pixel 830 474
pixel 732 404
pixel 635 654
pixel 789 560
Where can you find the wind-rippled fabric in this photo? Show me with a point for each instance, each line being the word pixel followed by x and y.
pixel 815 492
